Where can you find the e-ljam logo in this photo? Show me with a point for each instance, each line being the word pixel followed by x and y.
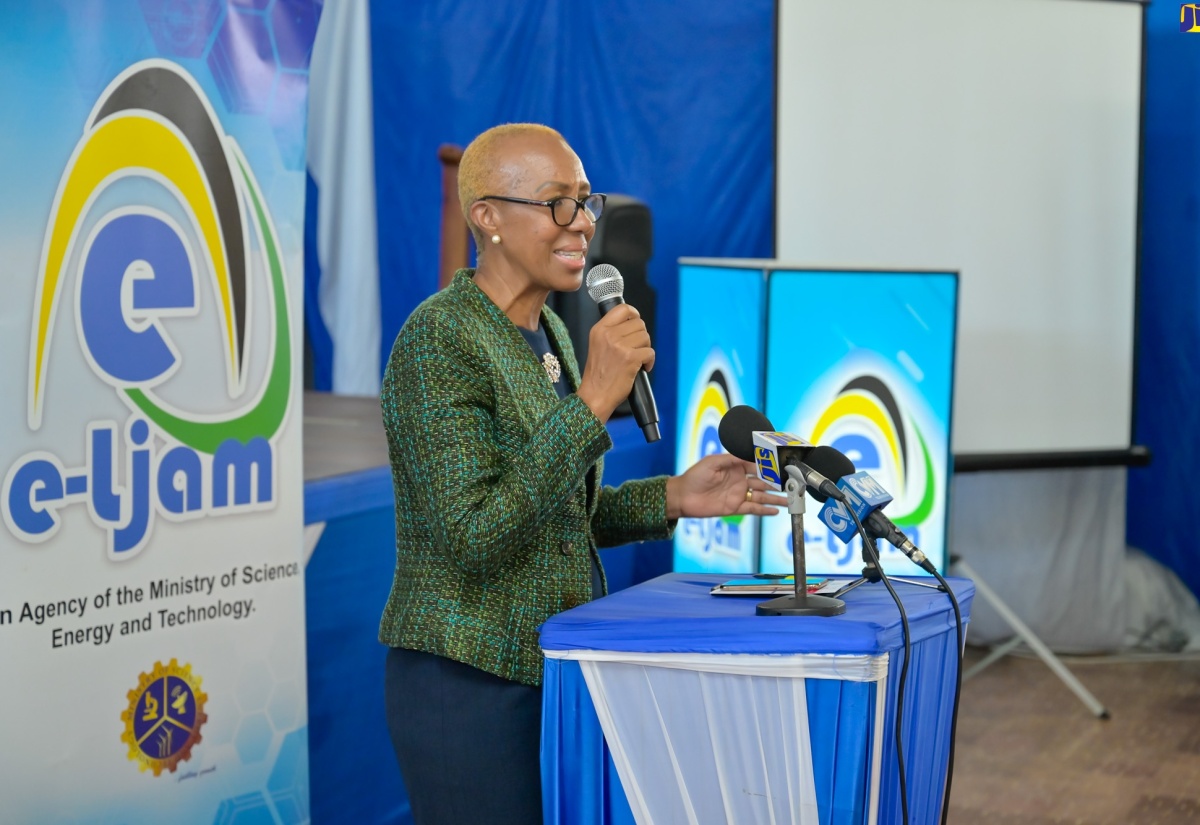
pixel 138 269
pixel 1189 18
pixel 866 424
pixel 715 391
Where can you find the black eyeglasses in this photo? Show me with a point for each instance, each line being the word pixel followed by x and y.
pixel 564 208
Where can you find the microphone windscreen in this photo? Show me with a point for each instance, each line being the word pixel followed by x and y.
pixel 830 463
pixel 737 429
pixel 604 281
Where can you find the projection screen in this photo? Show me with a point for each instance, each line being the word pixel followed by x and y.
pixel 999 138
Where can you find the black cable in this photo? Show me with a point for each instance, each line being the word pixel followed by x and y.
pixel 869 547
pixel 957 693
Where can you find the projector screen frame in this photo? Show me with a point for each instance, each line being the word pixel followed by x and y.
pixel 1136 456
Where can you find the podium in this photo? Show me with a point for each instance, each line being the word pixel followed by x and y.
pixel 662 703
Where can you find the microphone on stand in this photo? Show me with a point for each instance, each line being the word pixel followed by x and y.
pixel 867 498
pixel 606 287
pixel 749 435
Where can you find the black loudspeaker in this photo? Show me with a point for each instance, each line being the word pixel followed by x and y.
pixel 624 238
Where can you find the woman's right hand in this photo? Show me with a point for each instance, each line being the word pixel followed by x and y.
pixel 618 346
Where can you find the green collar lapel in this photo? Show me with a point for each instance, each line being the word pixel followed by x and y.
pixel 556 331
pixel 527 376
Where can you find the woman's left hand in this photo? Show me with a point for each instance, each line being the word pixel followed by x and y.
pixel 720 485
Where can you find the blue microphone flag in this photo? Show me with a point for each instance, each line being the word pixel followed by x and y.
pixel 863 494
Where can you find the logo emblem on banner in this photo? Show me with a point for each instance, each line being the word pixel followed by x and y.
pixel 165 714
pixel 711 407
pixel 865 422
pixel 717 393
pixel 138 268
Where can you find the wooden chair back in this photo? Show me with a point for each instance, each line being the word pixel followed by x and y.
pixel 456 244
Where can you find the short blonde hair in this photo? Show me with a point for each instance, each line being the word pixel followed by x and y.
pixel 479 159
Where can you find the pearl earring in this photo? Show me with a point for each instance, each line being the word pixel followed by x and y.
pixel 495 239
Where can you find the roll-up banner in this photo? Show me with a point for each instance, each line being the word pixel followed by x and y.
pixel 151 576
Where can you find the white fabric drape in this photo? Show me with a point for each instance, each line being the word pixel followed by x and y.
pixel 1051 543
pixel 701 738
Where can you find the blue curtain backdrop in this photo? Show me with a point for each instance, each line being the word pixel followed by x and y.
pixel 1162 498
pixel 673 104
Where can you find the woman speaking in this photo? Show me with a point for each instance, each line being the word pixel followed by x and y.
pixel 496 446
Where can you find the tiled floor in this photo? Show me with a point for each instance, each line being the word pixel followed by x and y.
pixel 1029 752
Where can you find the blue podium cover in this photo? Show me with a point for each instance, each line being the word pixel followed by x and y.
pixel 675 614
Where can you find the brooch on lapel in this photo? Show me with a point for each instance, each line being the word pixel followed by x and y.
pixel 552 368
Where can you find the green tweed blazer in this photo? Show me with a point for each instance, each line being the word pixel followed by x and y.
pixel 495 528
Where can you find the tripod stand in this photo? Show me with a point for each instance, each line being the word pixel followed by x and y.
pixel 870 573
pixel 1024 634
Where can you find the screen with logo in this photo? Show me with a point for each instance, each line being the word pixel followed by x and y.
pixel 720 366
pixel 864 362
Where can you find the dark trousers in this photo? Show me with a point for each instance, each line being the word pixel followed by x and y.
pixel 468 742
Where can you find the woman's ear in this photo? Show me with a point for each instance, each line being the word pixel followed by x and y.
pixel 483 215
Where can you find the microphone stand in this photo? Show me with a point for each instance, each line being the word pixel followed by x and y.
pixel 870 572
pixel 802 603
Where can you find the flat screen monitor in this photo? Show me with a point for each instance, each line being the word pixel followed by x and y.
pixel 720 366
pixel 863 361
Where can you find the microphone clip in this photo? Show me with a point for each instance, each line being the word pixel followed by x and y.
pixel 795 487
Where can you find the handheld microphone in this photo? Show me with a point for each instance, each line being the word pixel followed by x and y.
pixel 867 498
pixel 748 434
pixel 606 287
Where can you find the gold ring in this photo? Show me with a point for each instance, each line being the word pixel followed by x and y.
pixel 749 494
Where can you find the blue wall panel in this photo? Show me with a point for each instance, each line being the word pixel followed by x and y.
pixel 672 104
pixel 1162 498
